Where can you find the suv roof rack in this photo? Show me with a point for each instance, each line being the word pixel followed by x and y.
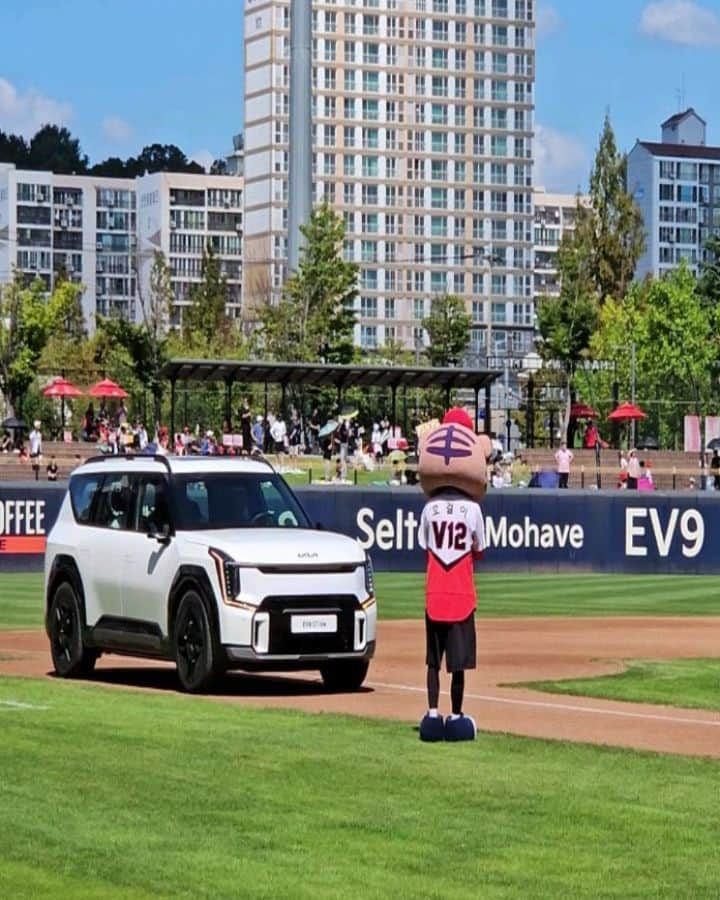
pixel 156 457
pixel 118 457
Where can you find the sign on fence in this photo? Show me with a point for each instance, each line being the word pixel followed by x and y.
pixel 621 531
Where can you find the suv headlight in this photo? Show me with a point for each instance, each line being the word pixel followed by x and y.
pixel 228 572
pixel 369 577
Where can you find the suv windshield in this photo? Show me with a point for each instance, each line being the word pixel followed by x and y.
pixel 232 500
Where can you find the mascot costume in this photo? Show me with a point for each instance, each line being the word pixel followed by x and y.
pixel 452 466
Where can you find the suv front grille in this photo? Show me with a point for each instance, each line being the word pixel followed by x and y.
pixel 281 609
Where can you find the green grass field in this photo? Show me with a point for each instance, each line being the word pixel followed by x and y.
pixel 691 683
pixel 115 794
pixel 400 596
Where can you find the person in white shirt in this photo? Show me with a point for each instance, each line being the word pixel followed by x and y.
pixel 35 438
pixel 278 433
pixel 563 458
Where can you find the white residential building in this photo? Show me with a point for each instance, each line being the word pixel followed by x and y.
pixel 181 215
pixel 423 125
pixel 82 225
pixel 676 184
pixel 101 235
pixel 555 215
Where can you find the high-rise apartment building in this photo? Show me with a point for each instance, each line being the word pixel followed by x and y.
pixel 81 226
pixel 555 216
pixel 183 214
pixel 103 232
pixel 676 184
pixel 422 116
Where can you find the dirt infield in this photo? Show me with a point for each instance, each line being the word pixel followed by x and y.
pixel 510 651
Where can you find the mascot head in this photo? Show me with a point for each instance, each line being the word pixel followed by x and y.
pixel 451 455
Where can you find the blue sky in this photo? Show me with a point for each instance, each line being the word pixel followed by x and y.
pixel 124 74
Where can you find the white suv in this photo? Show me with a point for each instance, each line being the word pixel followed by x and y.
pixel 210 562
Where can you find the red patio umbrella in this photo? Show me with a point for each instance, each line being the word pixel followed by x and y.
pixel 61 387
pixel 582 411
pixel 626 411
pixel 107 388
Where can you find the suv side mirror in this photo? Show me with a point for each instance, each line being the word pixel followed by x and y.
pixel 161 534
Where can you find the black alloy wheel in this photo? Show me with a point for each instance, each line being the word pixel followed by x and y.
pixel 196 650
pixel 70 657
pixel 345 674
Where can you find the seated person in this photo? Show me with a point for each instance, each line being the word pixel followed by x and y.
pixel 6 443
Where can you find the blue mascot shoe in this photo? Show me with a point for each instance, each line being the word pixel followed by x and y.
pixel 432 728
pixel 460 728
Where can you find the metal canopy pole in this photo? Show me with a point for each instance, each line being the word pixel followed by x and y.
pixel 300 163
pixel 477 407
pixel 172 408
pixel 228 401
pixel 394 405
pixel 488 408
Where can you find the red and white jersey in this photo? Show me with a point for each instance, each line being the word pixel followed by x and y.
pixel 451 530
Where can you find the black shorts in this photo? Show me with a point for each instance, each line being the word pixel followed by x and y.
pixel 453 640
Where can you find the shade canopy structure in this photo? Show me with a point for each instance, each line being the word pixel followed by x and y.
pixel 582 411
pixel 108 388
pixel 714 444
pixel 289 374
pixel 648 443
pixel 61 387
pixel 626 412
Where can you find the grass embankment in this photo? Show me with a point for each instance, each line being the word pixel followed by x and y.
pixel 400 596
pixel 107 793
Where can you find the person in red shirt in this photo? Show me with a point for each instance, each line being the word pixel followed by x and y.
pixel 453 534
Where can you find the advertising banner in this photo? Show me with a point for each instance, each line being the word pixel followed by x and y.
pixel 619 531
pixel 27 513
pixel 692 441
pixel 530 530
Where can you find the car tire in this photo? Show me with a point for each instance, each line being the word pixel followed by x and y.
pixel 344 675
pixel 71 658
pixel 197 653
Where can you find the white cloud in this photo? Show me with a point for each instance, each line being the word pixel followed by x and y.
pixel 25 112
pixel 117 130
pixel 204 158
pixel 547 21
pixel 562 162
pixel 681 22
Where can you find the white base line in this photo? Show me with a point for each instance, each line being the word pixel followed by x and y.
pixel 569 707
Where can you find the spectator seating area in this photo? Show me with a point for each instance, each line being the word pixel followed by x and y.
pixel 671 469
pixel 67 456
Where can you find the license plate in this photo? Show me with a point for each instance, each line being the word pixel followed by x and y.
pixel 313 624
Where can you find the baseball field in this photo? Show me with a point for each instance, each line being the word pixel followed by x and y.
pixel 594 775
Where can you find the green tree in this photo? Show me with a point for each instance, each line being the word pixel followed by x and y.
pixel 566 323
pixel 709 281
pixel 28 319
pixel 146 343
pixel 609 233
pixel 675 335
pixel 205 320
pixel 448 329
pixel 315 319
pixel 14 149
pixel 55 149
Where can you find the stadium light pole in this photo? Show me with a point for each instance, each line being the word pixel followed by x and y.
pixel 300 174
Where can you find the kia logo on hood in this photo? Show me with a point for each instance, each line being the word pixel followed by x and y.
pixel 307 555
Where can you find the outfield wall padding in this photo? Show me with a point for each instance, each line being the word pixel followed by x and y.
pixel 527 530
